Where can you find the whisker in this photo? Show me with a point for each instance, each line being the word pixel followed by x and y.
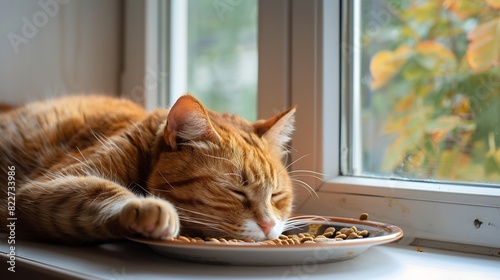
pixel 294 222
pixel 290 164
pixel 146 191
pixel 160 190
pixel 188 218
pixel 208 226
pixel 161 174
pixel 307 175
pixel 289 227
pixel 289 147
pixel 201 222
pixel 308 171
pixel 195 220
pixel 202 214
pixel 298 222
pixel 306 186
pixel 205 219
pixel 305 219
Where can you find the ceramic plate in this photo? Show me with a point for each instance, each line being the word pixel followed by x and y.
pixel 265 254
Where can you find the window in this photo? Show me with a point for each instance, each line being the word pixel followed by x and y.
pixel 328 75
pixel 425 89
pixel 214 54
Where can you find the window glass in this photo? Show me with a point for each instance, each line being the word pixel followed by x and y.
pixel 429 89
pixel 222 55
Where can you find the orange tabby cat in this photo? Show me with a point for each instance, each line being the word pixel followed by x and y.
pixel 97 168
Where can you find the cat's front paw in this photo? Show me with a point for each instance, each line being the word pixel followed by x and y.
pixel 150 217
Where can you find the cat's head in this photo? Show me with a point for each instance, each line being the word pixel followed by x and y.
pixel 225 175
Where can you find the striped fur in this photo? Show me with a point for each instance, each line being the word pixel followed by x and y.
pixel 90 169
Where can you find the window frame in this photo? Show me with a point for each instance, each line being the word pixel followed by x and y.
pixel 426 211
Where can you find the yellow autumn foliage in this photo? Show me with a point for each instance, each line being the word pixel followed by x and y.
pixel 483 52
pixel 385 64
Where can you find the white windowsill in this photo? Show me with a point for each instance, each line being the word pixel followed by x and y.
pixel 429 191
pixel 127 260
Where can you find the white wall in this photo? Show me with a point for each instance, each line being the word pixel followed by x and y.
pixel 56 47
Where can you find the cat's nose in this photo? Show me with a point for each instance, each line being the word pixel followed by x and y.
pixel 266 226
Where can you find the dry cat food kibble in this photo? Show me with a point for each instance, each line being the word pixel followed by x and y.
pixel 329 234
pixel 363 216
pixel 313 235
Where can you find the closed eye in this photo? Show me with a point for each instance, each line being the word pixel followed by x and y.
pixel 280 200
pixel 275 195
pixel 241 195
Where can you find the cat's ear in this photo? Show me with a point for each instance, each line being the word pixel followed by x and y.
pixel 278 129
pixel 188 120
